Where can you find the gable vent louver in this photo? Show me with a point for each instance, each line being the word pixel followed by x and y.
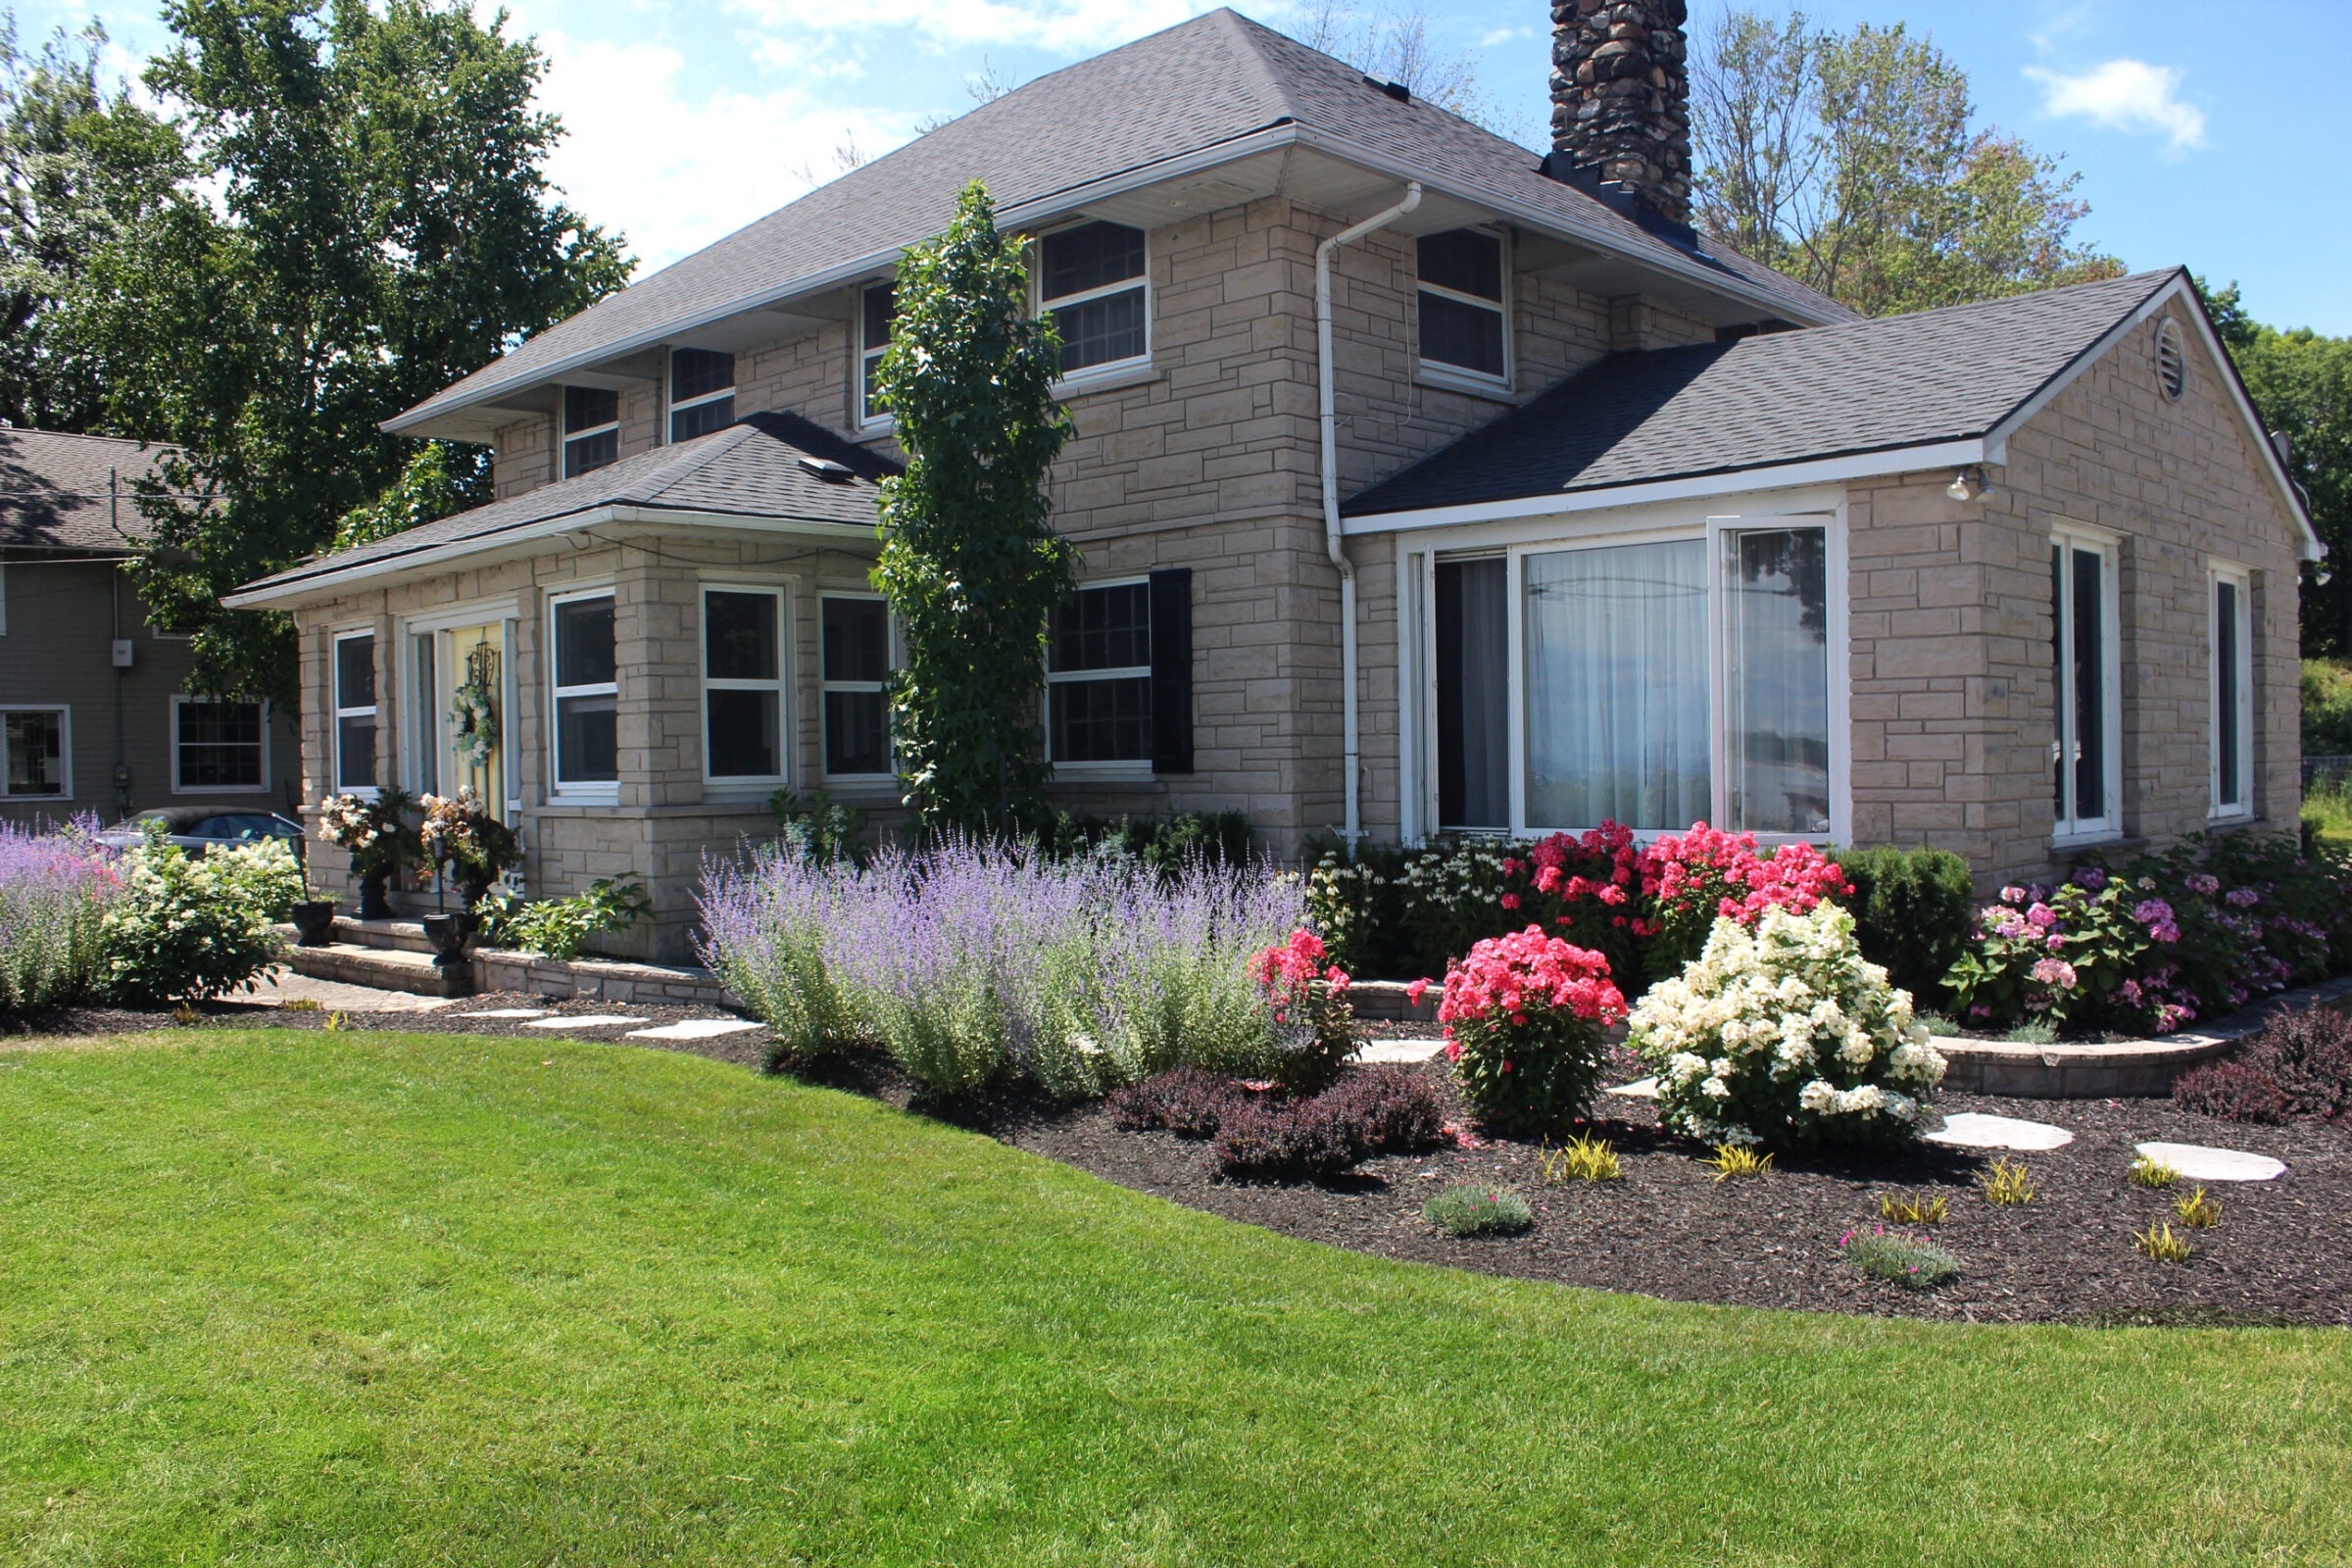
pixel 2171 360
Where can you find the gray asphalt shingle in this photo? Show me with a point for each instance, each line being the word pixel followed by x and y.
pixel 54 491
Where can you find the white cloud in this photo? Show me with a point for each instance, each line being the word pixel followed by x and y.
pixel 1063 26
pixel 2127 95
pixel 1503 36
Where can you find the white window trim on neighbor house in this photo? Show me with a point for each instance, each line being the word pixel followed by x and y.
pixel 2077 826
pixel 1708 521
pixel 179 701
pixel 1043 307
pixel 2241 582
pixel 337 712
pixel 1459 378
pixel 586 791
pixel 779 592
pixel 1123 769
pixel 65 748
pixel 826 685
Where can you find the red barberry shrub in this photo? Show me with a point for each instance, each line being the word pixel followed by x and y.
pixel 1186 1101
pixel 2231 1090
pixel 1400 1111
pixel 1303 1140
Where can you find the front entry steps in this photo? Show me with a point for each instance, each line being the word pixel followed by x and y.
pixel 386 954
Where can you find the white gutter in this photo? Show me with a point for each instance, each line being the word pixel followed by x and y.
pixel 1352 746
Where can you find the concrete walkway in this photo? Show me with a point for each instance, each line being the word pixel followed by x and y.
pixel 282 985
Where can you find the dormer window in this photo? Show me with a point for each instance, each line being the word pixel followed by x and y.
pixel 591 429
pixel 878 308
pixel 1091 279
pixel 1463 314
pixel 702 392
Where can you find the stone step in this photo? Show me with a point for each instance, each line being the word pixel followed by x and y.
pixel 383 968
pixel 403 934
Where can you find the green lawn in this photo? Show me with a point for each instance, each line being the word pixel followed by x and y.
pixel 291 1297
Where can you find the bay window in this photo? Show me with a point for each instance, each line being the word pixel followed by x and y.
pixel 354 678
pixel 2232 693
pixel 743 685
pixel 219 746
pixel 855 665
pixel 702 392
pixel 1090 280
pixel 585 678
pixel 36 754
pixel 591 429
pixel 2086 750
pixel 1465 323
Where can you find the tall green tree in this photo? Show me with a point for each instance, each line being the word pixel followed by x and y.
pixel 369 219
pixel 969 563
pixel 1852 163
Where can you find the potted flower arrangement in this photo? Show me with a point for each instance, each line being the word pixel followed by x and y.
pixel 477 847
pixel 379 841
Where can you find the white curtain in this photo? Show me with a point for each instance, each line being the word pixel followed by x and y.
pixel 1616 651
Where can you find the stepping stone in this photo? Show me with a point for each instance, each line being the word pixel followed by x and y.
pixel 1398 1049
pixel 2198 1163
pixel 1639 1089
pixel 508 1013
pixel 1971 1129
pixel 693 1029
pixel 586 1020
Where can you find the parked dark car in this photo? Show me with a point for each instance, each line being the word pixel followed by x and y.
pixel 197 828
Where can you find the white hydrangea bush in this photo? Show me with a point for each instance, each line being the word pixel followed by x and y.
pixel 1785 1036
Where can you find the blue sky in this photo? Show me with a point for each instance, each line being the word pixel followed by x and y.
pixel 2202 135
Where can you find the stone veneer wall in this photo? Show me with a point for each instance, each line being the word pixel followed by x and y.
pixel 1620 96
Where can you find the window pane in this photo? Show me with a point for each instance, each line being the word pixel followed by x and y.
pixel 1091 255
pixel 1102 332
pixel 587 407
pixel 2226 711
pixel 739 632
pixel 1103 629
pixel 875 405
pixel 355 672
pixel 584 642
pixel 1101 721
pixel 220 745
pixel 696 372
pixel 1473 616
pixel 854 733
pixel 1778 686
pixel 2061 686
pixel 1455 333
pixel 37 752
pixel 1465 260
pixel 590 452
pixel 857 639
pixel 745 729
pixel 1616 648
pixel 881 305
pixel 702 419
pixel 587 740
pixel 355 754
pixel 2090 694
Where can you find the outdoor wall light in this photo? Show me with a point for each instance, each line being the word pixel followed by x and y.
pixel 1969 485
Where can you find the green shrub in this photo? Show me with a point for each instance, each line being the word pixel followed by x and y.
pixel 1470 1208
pixel 2327 708
pixel 1912 910
pixel 193 929
pixel 1166 845
pixel 555 928
pixel 1911 1261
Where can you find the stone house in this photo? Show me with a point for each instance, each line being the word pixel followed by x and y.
pixel 97 716
pixel 1422 485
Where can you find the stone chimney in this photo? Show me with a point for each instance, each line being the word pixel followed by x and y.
pixel 1621 102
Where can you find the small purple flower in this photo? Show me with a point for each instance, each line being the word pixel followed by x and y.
pixel 2153 912
pixel 2204 882
pixel 2243 897
pixel 2042 916
pixel 2091 877
pixel 2055 943
pixel 2165 932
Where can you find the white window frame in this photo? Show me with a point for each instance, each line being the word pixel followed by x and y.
pixel 761 784
pixel 825 684
pixel 672 409
pixel 592 792
pixel 65 748
pixel 2237 577
pixel 566 436
pixel 1043 308
pixel 1459 377
pixel 180 700
pixel 337 712
pixel 1418 552
pixel 2077 827
pixel 1116 768
pixel 873 421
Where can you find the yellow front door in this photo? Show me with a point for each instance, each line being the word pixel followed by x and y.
pixel 472 713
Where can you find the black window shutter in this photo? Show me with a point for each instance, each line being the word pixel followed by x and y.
pixel 1172 670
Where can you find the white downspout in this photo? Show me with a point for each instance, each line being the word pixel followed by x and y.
pixel 1350 732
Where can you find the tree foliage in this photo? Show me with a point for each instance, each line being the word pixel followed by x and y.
pixel 365 219
pixel 969 563
pixel 1851 163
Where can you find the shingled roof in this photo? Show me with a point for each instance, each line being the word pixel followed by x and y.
pixel 1189 91
pixel 55 495
pixel 1776 399
pixel 764 466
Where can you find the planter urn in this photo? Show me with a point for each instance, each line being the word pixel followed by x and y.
pixel 449 934
pixel 372 887
pixel 313 920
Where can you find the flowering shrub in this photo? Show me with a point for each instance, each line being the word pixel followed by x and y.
pixel 192 929
pixel 1705 875
pixel 54 889
pixel 1308 1000
pixel 373 830
pixel 1524 1018
pixel 1782 1035
pixel 459 833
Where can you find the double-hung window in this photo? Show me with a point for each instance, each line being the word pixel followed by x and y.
pixel 354 678
pixel 1464 317
pixel 585 676
pixel 2086 655
pixel 856 657
pixel 2232 686
pixel 1090 280
pixel 743 685
pixel 36 754
pixel 219 746
pixel 877 309
pixel 591 429
pixel 702 392
pixel 1099 677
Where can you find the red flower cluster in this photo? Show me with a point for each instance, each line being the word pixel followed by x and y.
pixel 1706 872
pixel 1289 973
pixel 1504 976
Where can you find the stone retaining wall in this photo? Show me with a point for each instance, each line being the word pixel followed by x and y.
pixel 601 980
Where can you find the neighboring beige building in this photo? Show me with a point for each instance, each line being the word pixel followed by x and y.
pixel 96 713
pixel 1613 499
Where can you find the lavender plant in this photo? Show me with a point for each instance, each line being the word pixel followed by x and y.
pixel 55 888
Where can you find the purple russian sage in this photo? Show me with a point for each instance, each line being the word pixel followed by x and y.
pixel 55 886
